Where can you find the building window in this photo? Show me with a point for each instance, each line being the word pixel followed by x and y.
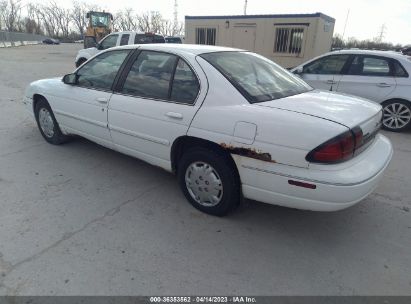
pixel 288 40
pixel 206 35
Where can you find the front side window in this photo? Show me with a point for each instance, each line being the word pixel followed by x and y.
pixel 150 75
pixel 124 39
pixel 256 77
pixel 328 65
pixel 108 42
pixel 100 72
pixel 206 35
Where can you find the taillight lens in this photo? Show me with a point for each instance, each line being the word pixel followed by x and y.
pixel 338 149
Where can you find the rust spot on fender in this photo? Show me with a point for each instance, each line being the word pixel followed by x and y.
pixel 248 152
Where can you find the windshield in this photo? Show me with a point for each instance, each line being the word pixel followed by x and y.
pixel 256 77
pixel 100 19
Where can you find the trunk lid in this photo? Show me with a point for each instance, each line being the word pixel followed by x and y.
pixel 343 109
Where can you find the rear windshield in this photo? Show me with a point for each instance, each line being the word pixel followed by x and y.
pixel 173 40
pixel 148 38
pixel 256 77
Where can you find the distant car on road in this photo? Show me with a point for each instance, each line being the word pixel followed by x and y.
pixel 118 39
pixel 51 41
pixel 229 123
pixel 381 76
pixel 170 39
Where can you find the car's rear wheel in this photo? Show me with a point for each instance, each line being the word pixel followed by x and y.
pixel 396 115
pixel 47 123
pixel 209 181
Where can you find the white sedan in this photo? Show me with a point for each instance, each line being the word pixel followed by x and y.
pixel 381 76
pixel 229 123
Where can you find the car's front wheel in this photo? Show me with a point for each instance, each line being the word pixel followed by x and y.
pixel 47 123
pixel 396 115
pixel 209 181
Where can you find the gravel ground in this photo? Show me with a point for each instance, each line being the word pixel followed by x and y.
pixel 79 219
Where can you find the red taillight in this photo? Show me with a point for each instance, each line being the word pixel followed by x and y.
pixel 338 149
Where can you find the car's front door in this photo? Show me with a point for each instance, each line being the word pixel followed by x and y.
pixel 155 102
pixel 324 73
pixel 368 77
pixel 82 108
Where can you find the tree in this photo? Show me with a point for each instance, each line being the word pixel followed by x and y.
pixel 10 14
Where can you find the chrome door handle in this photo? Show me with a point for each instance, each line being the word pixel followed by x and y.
pixel 331 81
pixel 383 85
pixel 102 100
pixel 174 115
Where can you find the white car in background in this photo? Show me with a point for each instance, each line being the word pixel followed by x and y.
pixel 118 39
pixel 229 123
pixel 380 76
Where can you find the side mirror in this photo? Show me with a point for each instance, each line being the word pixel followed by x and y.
pixel 298 71
pixel 70 79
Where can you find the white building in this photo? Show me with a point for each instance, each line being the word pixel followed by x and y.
pixel 286 39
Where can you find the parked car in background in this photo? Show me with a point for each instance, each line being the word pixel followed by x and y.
pixel 170 39
pixel 51 41
pixel 229 123
pixel 381 76
pixel 118 39
pixel 406 51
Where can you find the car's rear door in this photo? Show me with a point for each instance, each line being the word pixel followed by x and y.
pixel 153 104
pixel 369 77
pixel 325 72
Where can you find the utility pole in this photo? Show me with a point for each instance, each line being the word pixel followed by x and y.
pixel 245 7
pixel 381 35
pixel 175 18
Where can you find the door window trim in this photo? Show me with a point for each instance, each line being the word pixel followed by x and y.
pixel 344 69
pixel 126 70
pixel 115 78
pixel 388 59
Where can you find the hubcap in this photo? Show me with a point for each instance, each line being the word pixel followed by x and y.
pixel 204 184
pixel 46 122
pixel 396 116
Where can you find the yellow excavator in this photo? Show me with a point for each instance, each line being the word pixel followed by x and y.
pixel 99 25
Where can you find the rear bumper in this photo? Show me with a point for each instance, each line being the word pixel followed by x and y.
pixel 337 186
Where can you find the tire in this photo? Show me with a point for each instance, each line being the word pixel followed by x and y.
pixel 80 62
pixel 202 168
pixel 47 123
pixel 396 115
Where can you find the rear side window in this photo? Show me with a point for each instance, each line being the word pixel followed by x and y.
pixel 150 75
pixel 124 39
pixel 100 72
pixel 376 66
pixel 399 70
pixel 185 84
pixel 327 65
pixel 148 38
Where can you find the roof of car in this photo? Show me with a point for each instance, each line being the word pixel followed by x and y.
pixel 193 49
pixel 135 32
pixel 391 54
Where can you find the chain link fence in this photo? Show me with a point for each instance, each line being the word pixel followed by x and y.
pixel 8 39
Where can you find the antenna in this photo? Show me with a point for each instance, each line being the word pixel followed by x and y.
pixel 345 25
pixel 175 17
pixel 245 7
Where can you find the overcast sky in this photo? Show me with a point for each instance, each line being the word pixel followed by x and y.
pixel 365 19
